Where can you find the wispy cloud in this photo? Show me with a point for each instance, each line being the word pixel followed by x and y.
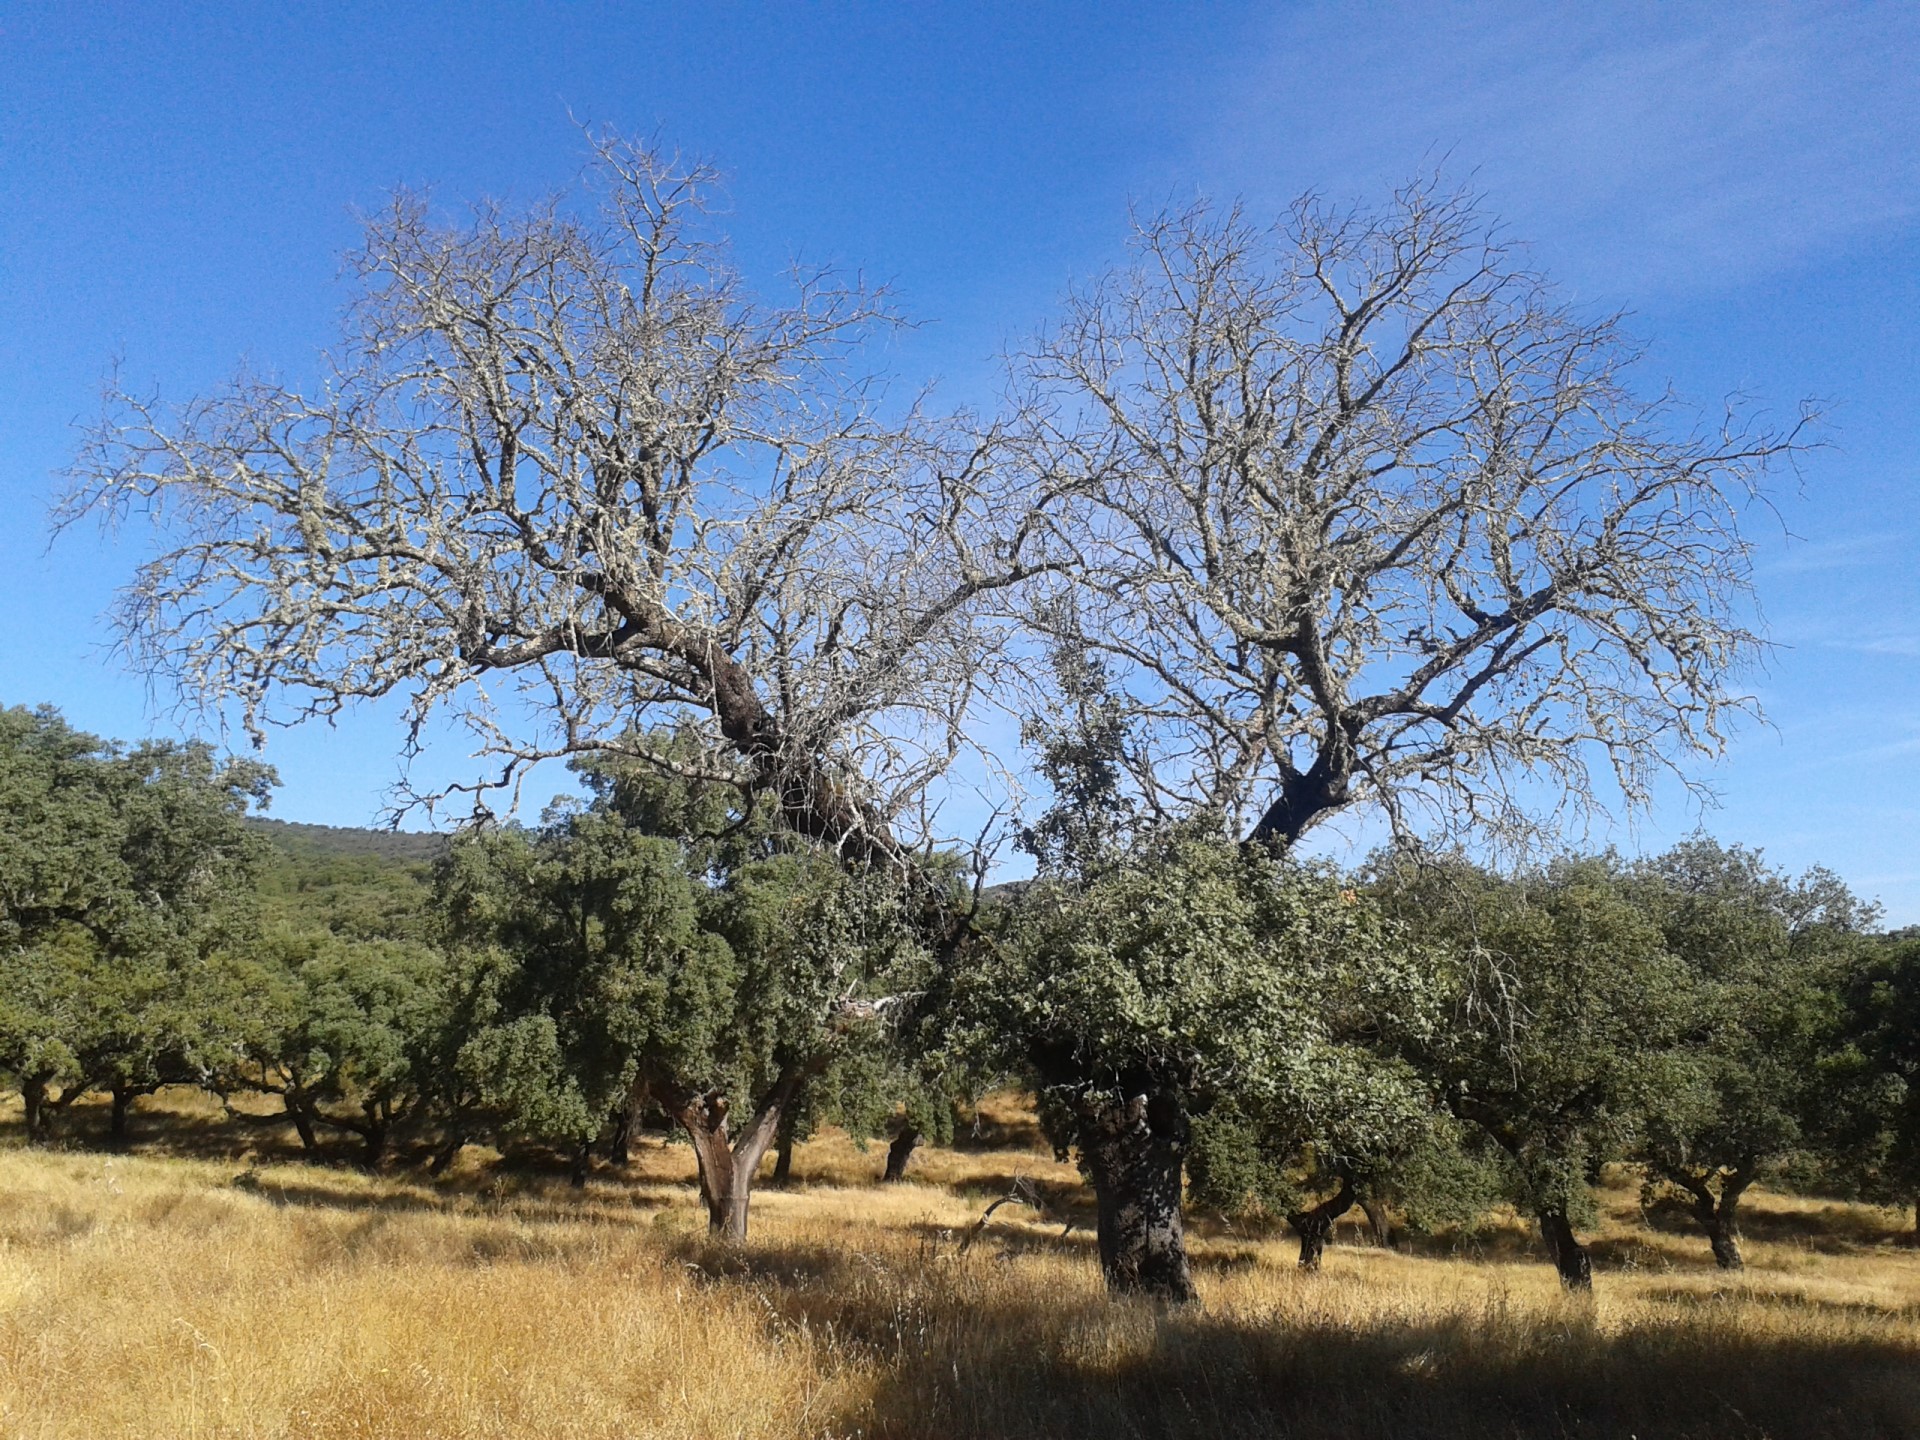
pixel 1651 145
pixel 1905 644
pixel 1847 552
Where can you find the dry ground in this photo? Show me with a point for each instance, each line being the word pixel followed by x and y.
pixel 194 1293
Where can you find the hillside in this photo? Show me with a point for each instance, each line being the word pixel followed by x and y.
pixel 318 842
pixel 363 884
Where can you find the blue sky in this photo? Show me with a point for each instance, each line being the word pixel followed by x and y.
pixel 179 182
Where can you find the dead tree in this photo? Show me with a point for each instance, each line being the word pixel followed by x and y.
pixel 568 482
pixel 1364 515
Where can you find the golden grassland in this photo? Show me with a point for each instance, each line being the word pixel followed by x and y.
pixel 182 1291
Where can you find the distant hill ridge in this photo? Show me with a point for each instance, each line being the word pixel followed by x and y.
pixel 338 841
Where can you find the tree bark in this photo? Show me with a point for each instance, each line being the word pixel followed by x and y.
pixel 783 1158
pixel 1718 1216
pixel 1135 1153
pixel 449 1149
pixel 1315 1225
pixel 898 1154
pixel 1569 1256
pixel 302 1122
pixel 374 1136
pixel 727 1167
pixel 619 1133
pixel 39 1119
pixel 1379 1223
pixel 117 1127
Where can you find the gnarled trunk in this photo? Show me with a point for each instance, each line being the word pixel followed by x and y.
pixel 727 1167
pixel 1718 1215
pixel 1315 1224
pixel 899 1152
pixel 1569 1256
pixel 1135 1153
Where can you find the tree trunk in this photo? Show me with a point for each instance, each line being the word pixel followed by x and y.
pixel 582 1163
pixel 1134 1155
pixel 39 1119
pixel 783 1158
pixel 302 1122
pixel 1569 1256
pixel 726 1192
pixel 1718 1216
pixel 1313 1226
pixel 449 1149
pixel 374 1136
pixel 727 1170
pixel 1379 1223
pixel 618 1135
pixel 898 1154
pixel 117 1128
pixel 1723 1222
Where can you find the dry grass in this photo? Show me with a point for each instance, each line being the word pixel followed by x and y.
pixel 155 1296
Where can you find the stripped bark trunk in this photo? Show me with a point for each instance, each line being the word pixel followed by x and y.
pixel 1315 1224
pixel 1135 1153
pixel 727 1165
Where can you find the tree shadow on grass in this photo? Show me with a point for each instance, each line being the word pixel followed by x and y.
pixel 968 1350
pixel 1832 1229
pixel 1200 1376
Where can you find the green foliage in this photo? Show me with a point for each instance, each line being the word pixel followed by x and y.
pixel 1563 1012
pixel 1207 970
pixel 713 956
pixel 360 884
pixel 1763 958
pixel 122 876
pixel 1872 1141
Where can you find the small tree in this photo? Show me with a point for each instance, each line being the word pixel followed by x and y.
pixel 1184 974
pixel 1563 1011
pixel 1388 1145
pixel 719 976
pixel 120 876
pixel 355 1053
pixel 1765 957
